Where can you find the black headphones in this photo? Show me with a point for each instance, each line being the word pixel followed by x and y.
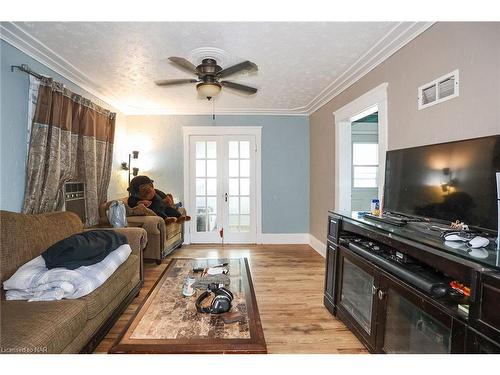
pixel 221 302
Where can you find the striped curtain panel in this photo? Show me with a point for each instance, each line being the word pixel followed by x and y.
pixel 71 140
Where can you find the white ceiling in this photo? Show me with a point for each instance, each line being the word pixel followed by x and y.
pixel 301 65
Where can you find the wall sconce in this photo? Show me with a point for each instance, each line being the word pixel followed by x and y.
pixel 126 167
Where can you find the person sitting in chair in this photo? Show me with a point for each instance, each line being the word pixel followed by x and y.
pixel 142 191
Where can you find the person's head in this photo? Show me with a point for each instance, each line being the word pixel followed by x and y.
pixel 142 187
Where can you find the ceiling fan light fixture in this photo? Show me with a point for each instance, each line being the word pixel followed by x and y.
pixel 208 76
pixel 208 90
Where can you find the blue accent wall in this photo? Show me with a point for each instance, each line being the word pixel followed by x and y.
pixel 13 128
pixel 284 164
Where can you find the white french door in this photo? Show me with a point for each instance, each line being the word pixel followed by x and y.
pixel 239 188
pixel 222 188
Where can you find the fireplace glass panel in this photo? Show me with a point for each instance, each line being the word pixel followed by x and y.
pixel 410 330
pixel 356 295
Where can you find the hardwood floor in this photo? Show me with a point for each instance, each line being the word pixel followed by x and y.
pixel 288 282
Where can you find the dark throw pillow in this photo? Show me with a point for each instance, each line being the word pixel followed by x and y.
pixel 83 249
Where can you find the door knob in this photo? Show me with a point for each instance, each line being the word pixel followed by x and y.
pixel 374 290
pixel 381 294
pixel 225 197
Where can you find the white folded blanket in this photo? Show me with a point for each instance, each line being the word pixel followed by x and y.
pixel 33 281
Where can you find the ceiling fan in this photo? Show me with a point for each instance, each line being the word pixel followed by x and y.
pixel 209 75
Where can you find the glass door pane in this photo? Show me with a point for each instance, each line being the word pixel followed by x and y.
pixel 356 296
pixel 206 185
pixel 410 330
pixel 239 185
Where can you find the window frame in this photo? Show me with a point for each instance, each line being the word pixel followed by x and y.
pixel 376 166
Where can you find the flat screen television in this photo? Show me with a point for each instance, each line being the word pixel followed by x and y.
pixel 447 181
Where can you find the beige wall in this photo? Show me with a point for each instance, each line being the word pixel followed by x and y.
pixel 119 182
pixel 473 48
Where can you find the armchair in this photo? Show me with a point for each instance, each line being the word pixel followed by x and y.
pixel 162 238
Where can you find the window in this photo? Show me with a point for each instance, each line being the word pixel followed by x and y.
pixel 365 165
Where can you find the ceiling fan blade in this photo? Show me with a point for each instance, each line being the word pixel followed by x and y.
pixel 239 87
pixel 183 63
pixel 170 82
pixel 245 66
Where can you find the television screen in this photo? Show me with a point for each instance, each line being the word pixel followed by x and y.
pixel 447 181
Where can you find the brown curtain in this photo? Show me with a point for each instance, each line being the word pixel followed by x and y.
pixel 71 139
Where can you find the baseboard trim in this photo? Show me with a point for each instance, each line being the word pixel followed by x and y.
pixel 317 245
pixel 292 238
pixel 285 238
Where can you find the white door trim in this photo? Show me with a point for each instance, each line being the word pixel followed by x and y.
pixel 225 130
pixel 375 99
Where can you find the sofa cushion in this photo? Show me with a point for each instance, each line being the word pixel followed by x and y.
pixel 151 224
pixel 24 237
pixel 99 298
pixel 40 327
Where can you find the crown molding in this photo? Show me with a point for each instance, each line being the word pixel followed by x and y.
pixel 132 111
pixel 35 49
pixel 395 39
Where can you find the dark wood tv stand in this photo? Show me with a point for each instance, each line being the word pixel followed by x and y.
pixel 390 314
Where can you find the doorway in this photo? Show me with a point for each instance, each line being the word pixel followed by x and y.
pixel 364 137
pixel 374 101
pixel 222 184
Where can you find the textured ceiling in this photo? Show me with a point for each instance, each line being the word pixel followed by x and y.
pixel 296 61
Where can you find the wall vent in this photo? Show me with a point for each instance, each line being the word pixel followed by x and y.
pixel 74 199
pixel 441 89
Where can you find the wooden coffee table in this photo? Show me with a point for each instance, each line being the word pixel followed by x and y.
pixel 167 322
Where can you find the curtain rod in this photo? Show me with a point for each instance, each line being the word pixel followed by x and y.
pixel 25 68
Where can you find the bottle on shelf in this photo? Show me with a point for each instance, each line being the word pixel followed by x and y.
pixel 375 207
